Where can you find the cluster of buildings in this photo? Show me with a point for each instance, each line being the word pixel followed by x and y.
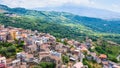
pixel 42 47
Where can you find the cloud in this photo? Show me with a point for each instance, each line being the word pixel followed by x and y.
pixel 115 7
pixel 30 4
pixel 43 3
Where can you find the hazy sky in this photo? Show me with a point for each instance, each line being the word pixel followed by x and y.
pixel 113 5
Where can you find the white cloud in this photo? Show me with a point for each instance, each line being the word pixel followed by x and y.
pixel 115 7
pixel 43 3
pixel 101 4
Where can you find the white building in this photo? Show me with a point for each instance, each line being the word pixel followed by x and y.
pixel 3 60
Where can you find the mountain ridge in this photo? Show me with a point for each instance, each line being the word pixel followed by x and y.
pixel 83 11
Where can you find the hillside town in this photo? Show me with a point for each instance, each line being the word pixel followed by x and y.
pixel 43 47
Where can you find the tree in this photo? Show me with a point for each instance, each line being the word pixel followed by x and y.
pixel 3 51
pixel 7 49
pixel 11 49
pixel 47 65
pixel 65 59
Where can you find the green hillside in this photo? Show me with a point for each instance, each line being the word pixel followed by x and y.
pixel 61 24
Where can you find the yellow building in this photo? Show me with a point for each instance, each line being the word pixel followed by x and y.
pixel 13 34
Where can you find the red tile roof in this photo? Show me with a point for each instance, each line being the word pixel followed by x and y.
pixel 2 65
pixel 103 56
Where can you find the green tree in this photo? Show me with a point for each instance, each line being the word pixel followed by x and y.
pixel 65 59
pixel 47 65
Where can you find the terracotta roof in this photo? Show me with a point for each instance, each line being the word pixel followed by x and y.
pixel 55 57
pixel 27 55
pixel 44 53
pixel 83 48
pixel 24 35
pixel 2 65
pixel 2 33
pixel 103 56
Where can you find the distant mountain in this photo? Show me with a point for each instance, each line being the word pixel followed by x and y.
pixel 61 24
pixel 84 11
pixel 81 11
pixel 4 7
